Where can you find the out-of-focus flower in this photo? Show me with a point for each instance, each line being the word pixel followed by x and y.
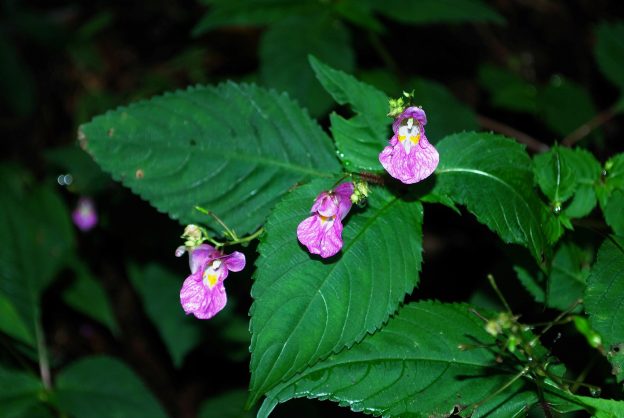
pixel 321 233
pixel 409 158
pixel 203 293
pixel 85 216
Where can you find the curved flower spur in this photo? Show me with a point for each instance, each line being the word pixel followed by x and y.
pixel 409 157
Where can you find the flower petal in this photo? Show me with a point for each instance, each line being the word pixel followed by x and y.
pixel 325 204
pixel 322 239
pixel 235 261
pixel 411 112
pixel 193 296
pixel 416 166
pixel 343 192
pixel 309 233
pixel 201 255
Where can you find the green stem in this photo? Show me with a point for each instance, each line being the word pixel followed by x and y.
pixel 499 293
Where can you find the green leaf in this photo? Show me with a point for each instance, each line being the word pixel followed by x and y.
pixel 610 51
pixel 492 176
pixel 614 211
pixel 532 284
pixel 438 11
pixel 445 113
pixel 20 394
pixel 226 405
pixel 360 138
pixel 100 386
pixel 603 300
pixel 12 324
pixel 87 296
pixel 602 408
pixel 554 175
pixel 568 276
pixel 305 308
pixel 252 13
pixel 359 13
pixel 284 50
pixel 232 149
pixel 159 290
pixel 38 234
pixel 587 172
pixel 565 105
pixel 411 367
pixel 508 90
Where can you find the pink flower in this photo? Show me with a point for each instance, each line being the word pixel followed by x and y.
pixel 409 157
pixel 85 216
pixel 203 292
pixel 321 233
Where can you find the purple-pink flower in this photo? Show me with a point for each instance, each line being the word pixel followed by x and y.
pixel 85 216
pixel 409 157
pixel 321 233
pixel 203 292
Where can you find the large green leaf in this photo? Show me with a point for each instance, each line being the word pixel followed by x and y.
pixel 101 386
pixel 492 175
pixel 233 149
pixel 603 300
pixel 306 308
pixel 445 113
pixel 602 408
pixel 587 172
pixel 35 226
pixel 252 13
pixel 438 11
pixel 160 292
pixel 19 397
pixel 412 367
pixel 87 295
pixel 610 51
pixel 361 138
pixel 284 50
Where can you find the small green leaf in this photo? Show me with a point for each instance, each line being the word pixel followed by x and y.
pixel 305 308
pixel 252 13
pixel 438 11
pixel 20 393
pixel 492 176
pixel 232 149
pixel 445 113
pixel 100 386
pixel 361 138
pixel 159 290
pixel 226 405
pixel 610 193
pixel 610 51
pixel 86 295
pixel 508 90
pixel 359 13
pixel 531 282
pixel 284 50
pixel 565 105
pixel 412 367
pixel 603 300
pixel 568 276
pixel 587 172
pixel 554 175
